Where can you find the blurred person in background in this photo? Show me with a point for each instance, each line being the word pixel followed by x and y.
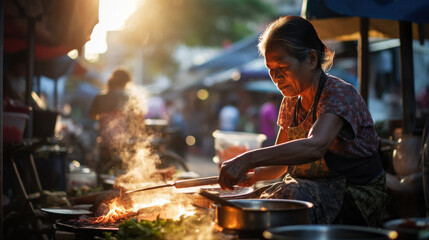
pixel 268 119
pixel 250 119
pixel 229 115
pixel 327 148
pixel 176 121
pixel 157 108
pixel 107 107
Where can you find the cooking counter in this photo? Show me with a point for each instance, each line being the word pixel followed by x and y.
pixel 63 232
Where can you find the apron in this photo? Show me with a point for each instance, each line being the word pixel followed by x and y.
pixel 315 182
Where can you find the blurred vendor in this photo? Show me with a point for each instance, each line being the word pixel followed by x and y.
pixel 108 107
pixel 327 147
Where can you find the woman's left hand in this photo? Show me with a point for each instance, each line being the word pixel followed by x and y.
pixel 234 171
pixel 250 180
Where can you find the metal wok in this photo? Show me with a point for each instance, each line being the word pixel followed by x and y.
pixel 327 232
pixel 82 231
pixel 261 214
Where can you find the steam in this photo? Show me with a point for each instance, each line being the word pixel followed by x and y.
pixel 131 141
pixel 132 145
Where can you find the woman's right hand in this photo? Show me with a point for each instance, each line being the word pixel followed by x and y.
pixel 234 171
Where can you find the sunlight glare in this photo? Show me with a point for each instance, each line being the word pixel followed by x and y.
pixel 112 17
pixel 114 13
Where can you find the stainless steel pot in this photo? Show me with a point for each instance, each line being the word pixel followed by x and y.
pixel 409 228
pixel 261 214
pixel 328 232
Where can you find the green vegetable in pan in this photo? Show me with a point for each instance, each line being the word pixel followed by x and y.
pixel 190 227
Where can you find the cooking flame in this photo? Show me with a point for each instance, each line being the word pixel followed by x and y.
pixel 115 213
pixel 162 207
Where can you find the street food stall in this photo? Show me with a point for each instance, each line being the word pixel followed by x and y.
pixel 145 203
pixel 37 37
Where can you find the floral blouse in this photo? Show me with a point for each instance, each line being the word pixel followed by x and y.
pixel 358 138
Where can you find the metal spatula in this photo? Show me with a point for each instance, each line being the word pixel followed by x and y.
pixel 181 184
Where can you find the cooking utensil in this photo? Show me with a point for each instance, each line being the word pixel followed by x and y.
pixel 261 214
pixel 218 199
pixel 180 184
pixel 238 192
pixel 186 183
pixel 327 232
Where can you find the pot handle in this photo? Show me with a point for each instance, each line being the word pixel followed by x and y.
pixel 196 182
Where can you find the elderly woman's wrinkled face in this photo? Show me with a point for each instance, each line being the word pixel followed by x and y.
pixel 289 74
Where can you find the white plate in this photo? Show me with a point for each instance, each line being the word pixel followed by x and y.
pixel 215 189
pixel 66 211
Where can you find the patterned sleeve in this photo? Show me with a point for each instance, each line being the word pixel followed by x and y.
pixel 285 112
pixel 343 100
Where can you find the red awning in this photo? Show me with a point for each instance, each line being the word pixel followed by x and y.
pixel 60 26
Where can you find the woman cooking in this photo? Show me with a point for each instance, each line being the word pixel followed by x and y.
pixel 326 148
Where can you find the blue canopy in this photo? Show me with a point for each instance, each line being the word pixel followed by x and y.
pixel 404 10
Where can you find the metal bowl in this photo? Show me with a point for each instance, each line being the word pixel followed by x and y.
pixel 328 232
pixel 261 214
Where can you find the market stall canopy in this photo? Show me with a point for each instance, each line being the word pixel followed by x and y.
pixel 216 69
pixel 347 28
pixel 235 55
pixel 403 10
pixel 335 20
pixel 45 30
pixel 60 25
pixel 56 67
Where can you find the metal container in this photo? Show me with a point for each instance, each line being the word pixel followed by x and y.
pixel 328 232
pixel 261 214
pixel 409 228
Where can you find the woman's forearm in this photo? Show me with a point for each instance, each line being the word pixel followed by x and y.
pixel 270 173
pixel 292 153
pixel 300 151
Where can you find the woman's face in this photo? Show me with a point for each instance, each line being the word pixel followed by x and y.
pixel 290 75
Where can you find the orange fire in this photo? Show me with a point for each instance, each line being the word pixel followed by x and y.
pixel 161 207
pixel 115 213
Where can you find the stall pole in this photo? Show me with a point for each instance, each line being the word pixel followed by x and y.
pixel 56 94
pixel 407 78
pixel 363 58
pixel 38 84
pixel 1 118
pixel 31 29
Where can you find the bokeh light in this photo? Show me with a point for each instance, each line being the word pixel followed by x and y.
pixel 73 54
pixel 203 94
pixel 236 75
pixel 190 140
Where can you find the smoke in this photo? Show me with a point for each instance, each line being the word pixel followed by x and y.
pixel 130 141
